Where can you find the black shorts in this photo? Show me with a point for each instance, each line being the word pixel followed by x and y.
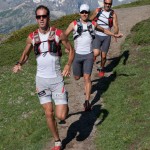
pixel 83 64
pixel 102 43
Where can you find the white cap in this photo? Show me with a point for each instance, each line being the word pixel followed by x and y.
pixel 84 7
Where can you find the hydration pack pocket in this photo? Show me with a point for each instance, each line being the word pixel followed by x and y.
pixel 53 47
pixel 36 49
pixel 110 20
pixel 79 30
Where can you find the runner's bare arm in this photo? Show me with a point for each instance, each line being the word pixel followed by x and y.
pixel 69 29
pixel 93 14
pixel 115 24
pixel 97 27
pixel 68 46
pixel 108 32
pixel 24 57
pixel 67 32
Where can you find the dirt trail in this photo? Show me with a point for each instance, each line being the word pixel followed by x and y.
pixel 80 127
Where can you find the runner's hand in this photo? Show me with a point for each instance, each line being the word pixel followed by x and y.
pixel 16 68
pixel 119 35
pixel 66 71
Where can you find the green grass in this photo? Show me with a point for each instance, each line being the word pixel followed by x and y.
pixel 127 99
pixel 22 121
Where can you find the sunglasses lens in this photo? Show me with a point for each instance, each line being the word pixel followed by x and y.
pixel 84 12
pixel 39 16
pixel 44 16
pixel 108 3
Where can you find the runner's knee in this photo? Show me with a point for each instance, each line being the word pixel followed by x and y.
pixel 96 52
pixel 87 79
pixel 103 57
pixel 61 116
pixel 49 114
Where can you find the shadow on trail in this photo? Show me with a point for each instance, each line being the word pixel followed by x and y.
pixel 115 61
pixel 103 84
pixel 82 128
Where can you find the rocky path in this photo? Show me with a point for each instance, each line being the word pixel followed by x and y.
pixel 79 130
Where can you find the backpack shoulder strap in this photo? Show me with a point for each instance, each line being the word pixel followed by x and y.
pixel 79 22
pixel 111 13
pixel 99 12
pixel 52 33
pixel 90 28
pixel 57 34
pixel 36 37
pixel 79 27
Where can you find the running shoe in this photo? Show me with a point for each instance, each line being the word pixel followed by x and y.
pixel 87 106
pixel 58 146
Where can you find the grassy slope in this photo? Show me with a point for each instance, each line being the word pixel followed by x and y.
pixel 127 99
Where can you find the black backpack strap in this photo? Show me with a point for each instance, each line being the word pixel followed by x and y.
pixel 79 27
pixel 111 13
pixel 110 19
pixel 90 28
pixel 37 43
pixel 99 12
pixel 79 30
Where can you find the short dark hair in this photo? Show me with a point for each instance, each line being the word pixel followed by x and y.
pixel 42 7
pixel 111 1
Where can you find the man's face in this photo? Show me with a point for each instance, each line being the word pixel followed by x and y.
pixel 107 4
pixel 42 18
pixel 84 15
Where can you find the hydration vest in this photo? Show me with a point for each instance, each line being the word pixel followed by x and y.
pixel 80 30
pixel 54 48
pixel 110 18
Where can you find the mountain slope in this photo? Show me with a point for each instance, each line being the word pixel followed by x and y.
pixel 16 14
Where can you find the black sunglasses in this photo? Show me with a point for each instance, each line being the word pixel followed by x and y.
pixel 39 16
pixel 84 12
pixel 108 3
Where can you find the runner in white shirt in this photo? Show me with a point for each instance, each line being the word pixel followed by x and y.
pixel 106 18
pixel 49 80
pixel 83 34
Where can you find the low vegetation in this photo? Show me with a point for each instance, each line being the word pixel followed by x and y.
pixel 127 99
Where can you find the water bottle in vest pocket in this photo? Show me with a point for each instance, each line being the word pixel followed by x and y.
pixel 53 46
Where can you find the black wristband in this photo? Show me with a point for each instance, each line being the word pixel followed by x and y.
pixel 18 63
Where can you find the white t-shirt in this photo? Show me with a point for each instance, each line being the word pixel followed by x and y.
pixel 104 17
